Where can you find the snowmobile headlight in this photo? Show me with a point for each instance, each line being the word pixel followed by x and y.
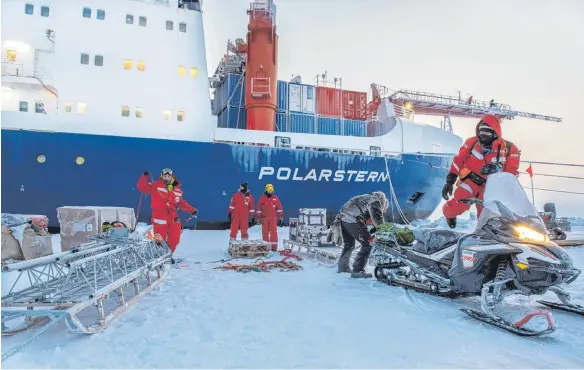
pixel 527 233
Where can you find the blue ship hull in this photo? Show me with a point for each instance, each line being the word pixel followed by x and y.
pixel 210 174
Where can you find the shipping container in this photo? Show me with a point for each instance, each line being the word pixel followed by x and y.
pixel 282 96
pixel 354 105
pixel 302 98
pixel 231 92
pixel 301 123
pixel 328 125
pixel 232 117
pixel 353 127
pixel 328 101
pixel 281 122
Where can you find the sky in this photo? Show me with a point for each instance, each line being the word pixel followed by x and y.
pixel 525 53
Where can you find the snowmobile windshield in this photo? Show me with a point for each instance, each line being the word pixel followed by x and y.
pixel 506 204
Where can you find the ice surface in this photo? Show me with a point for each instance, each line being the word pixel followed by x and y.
pixel 313 318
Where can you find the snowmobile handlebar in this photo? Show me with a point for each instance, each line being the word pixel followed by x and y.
pixel 471 201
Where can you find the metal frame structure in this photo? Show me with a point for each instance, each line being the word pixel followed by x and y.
pixel 63 285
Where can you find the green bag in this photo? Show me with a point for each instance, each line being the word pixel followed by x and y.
pixel 403 235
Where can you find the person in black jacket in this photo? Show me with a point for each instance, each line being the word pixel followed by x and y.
pixel 350 225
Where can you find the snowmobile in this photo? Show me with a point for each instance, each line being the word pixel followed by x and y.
pixel 509 252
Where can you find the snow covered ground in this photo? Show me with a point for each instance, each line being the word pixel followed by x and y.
pixel 313 318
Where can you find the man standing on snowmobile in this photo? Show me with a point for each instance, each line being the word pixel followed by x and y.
pixel 479 156
pixel 166 199
pixel 241 212
pixel 350 225
pixel 270 215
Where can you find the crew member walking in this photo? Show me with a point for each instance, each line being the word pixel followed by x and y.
pixel 241 212
pixel 166 199
pixel 270 215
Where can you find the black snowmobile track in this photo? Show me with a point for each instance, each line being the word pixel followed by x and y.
pixel 506 325
pixel 572 308
pixel 411 286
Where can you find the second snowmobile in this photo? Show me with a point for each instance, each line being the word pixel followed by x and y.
pixel 508 253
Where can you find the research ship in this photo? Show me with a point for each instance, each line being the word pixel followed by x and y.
pixel 94 93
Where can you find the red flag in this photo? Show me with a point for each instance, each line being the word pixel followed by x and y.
pixel 529 171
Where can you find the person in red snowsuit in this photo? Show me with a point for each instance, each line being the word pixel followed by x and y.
pixel 241 212
pixel 479 156
pixel 166 199
pixel 270 215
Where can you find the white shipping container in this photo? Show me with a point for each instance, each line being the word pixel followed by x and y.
pixel 308 99
pixel 294 98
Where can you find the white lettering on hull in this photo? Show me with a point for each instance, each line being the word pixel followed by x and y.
pixel 296 174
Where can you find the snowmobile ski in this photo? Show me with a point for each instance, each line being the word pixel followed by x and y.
pixel 573 308
pixel 517 327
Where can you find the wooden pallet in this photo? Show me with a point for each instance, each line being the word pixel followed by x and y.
pixel 248 248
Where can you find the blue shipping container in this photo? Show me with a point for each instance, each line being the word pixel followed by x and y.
pixel 355 128
pixel 329 125
pixel 301 123
pixel 232 117
pixel 281 121
pixel 282 96
pixel 232 88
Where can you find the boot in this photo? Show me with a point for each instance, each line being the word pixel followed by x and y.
pixel 361 275
pixel 451 222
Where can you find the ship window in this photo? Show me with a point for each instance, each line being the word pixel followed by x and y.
pixel 182 70
pixel 67 106
pixel 98 60
pixel 84 58
pixel 11 55
pixel 180 116
pixel 23 106
pixel 86 12
pixel 100 14
pixel 128 64
pixel 194 72
pixel 182 27
pixel 141 66
pixel 169 25
pixel 142 21
pixel 39 107
pixel 28 9
pixel 80 160
pixel 139 112
pixel 125 111
pixel 166 114
pixel 45 11
pixel 81 108
pixel 129 19
pixel 41 158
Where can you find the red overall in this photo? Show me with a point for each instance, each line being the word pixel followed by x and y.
pixel 269 212
pixel 241 210
pixel 470 160
pixel 166 201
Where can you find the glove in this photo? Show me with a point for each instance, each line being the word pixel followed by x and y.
pixel 372 240
pixel 146 173
pixel 373 230
pixel 229 217
pixel 489 169
pixel 194 213
pixel 281 222
pixel 449 186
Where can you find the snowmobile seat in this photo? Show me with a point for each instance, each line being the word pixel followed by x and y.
pixel 430 241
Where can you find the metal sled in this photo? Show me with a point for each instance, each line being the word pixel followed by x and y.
pixel 63 285
pixel 320 255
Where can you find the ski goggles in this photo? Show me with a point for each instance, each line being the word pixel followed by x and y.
pixel 167 171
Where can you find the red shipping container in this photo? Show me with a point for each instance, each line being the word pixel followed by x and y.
pixel 354 105
pixel 328 101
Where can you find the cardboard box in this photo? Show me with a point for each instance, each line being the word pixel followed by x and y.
pixel 78 223
pixel 10 247
pixel 34 245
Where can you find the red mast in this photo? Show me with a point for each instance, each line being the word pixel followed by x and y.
pixel 261 67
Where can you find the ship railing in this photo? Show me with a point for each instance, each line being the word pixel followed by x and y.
pixel 447 100
pixel 373 151
pixel 10 68
pixel 263 9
